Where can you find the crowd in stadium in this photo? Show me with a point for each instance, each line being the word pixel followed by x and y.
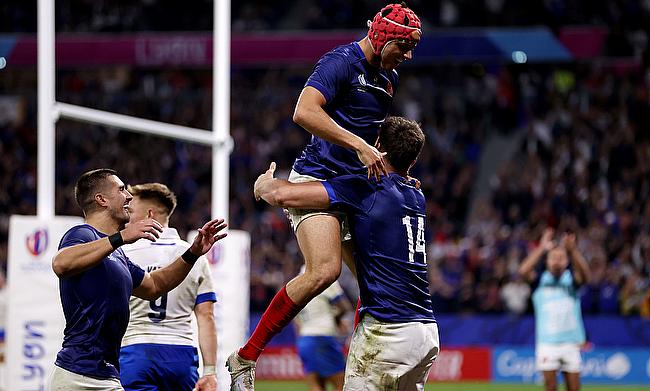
pixel 583 165
pixel 583 162
pixel 165 15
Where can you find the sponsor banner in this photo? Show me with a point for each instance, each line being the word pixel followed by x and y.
pixel 599 366
pixel 461 364
pixel 279 363
pixel 190 49
pixel 175 49
pixel 35 319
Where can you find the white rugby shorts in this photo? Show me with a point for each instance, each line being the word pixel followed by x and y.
pixel 563 357
pixel 390 356
pixel 297 216
pixel 64 380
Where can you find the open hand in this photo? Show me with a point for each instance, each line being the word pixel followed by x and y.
pixel 569 241
pixel 547 239
pixel 208 235
pixel 149 229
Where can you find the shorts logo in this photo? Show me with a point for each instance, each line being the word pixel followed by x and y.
pixel 37 241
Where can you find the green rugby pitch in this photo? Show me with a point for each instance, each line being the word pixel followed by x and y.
pixel 299 386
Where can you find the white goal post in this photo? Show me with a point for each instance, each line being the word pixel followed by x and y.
pixel 49 111
pixel 35 326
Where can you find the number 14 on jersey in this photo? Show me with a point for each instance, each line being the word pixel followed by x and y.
pixel 418 245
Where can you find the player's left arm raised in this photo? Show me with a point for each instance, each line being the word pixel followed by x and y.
pixel 580 266
pixel 280 192
pixel 163 280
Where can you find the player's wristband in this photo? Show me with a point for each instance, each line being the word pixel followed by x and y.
pixel 116 240
pixel 209 370
pixel 189 257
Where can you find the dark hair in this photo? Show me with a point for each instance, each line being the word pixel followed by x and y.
pixel 88 184
pixel 402 140
pixel 156 192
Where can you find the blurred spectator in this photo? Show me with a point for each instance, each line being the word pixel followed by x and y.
pixel 515 295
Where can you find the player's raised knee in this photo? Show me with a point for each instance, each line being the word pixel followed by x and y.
pixel 324 277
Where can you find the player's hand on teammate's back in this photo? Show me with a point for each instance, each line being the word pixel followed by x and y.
pixel 373 160
pixel 208 235
pixel 148 229
pixel 262 180
pixel 206 383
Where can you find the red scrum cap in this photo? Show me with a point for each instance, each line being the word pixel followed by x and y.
pixel 394 21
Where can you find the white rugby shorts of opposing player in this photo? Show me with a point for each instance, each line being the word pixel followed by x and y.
pixel 390 356
pixel 64 380
pixel 564 357
pixel 297 216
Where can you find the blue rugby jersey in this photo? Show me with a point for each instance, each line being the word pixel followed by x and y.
pixel 358 97
pixel 96 308
pixel 387 220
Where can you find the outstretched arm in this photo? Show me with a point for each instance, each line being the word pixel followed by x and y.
pixel 163 280
pixel 78 258
pixel 580 267
pixel 310 115
pixel 280 192
pixel 546 244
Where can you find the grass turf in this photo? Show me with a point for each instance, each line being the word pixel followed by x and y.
pixel 300 386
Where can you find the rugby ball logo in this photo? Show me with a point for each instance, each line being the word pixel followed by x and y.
pixel 37 242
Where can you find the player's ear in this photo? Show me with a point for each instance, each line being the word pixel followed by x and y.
pixel 150 213
pixel 100 199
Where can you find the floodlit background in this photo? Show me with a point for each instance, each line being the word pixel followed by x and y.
pixel 536 113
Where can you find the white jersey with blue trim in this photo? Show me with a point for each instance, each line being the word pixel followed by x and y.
pixel 167 320
pixel 558 317
pixel 317 318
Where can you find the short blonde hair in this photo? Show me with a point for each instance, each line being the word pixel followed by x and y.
pixel 156 192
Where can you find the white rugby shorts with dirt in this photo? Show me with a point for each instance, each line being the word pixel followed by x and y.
pixel 390 356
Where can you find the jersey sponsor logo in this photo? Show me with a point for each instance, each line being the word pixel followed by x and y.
pixel 362 80
pixel 37 241
pixel 365 85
